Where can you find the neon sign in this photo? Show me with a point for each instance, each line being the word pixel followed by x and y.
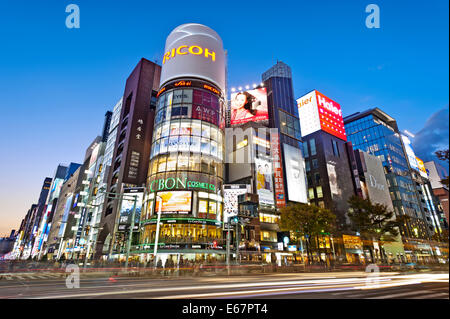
pixel 193 49
pixel 179 183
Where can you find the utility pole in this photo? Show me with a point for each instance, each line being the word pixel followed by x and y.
pixel 228 243
pixel 237 241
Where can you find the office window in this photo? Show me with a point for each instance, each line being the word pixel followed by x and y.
pixel 317 178
pixel 319 192
pixel 335 148
pixel 305 150
pixel 311 193
pixel 315 163
pixel 312 146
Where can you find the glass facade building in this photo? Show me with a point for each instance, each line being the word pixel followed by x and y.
pixel 185 174
pixel 376 133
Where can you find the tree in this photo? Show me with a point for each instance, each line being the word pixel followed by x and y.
pixel 373 221
pixel 306 220
pixel 443 155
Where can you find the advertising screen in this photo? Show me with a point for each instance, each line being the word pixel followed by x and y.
pixel 178 202
pixel 278 170
pixel 231 193
pixel 295 174
pixel 318 112
pixel 249 106
pixel 422 168
pixel 264 183
pixel 126 209
pixel 410 153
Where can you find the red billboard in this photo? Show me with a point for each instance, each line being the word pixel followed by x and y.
pixel 318 112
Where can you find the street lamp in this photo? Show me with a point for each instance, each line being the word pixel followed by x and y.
pixel 155 249
pixel 130 236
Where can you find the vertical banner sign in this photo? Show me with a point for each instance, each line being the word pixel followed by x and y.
pixel 277 169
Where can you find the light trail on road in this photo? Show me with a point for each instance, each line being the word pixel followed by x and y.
pixel 260 287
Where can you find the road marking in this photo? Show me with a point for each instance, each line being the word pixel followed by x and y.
pixel 402 294
pixel 433 295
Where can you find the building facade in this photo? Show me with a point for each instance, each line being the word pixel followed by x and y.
pixel 185 175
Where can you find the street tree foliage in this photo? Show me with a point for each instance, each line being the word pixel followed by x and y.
pixel 373 221
pixel 308 221
pixel 443 155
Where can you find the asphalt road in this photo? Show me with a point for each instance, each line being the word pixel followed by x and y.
pixel 354 285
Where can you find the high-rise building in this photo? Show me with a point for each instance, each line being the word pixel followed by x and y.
pixel 62 211
pixel 40 247
pixel 376 133
pixel 131 155
pixel 373 185
pixel 185 175
pixel 329 158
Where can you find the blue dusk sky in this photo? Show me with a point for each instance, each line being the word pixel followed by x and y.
pixel 57 83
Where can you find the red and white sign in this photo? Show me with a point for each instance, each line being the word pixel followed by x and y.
pixel 278 170
pixel 318 112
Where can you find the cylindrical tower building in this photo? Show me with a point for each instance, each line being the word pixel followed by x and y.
pixel 186 168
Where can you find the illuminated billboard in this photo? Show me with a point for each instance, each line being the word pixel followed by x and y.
pixel 249 106
pixel 194 50
pixel 176 202
pixel 278 170
pixel 264 183
pixel 295 174
pixel 318 112
pixel 230 195
pixel 127 206
pixel 410 153
pixel 422 168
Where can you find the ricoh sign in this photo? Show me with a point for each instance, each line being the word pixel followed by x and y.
pixel 318 112
pixel 194 50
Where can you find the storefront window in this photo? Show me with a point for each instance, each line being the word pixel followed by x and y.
pixel 212 209
pixel 195 144
pixel 163 145
pixel 214 134
pixel 213 148
pixel 172 162
pixel 183 143
pixel 162 164
pixel 196 128
pixel 173 144
pixel 183 162
pixel 206 130
pixel 165 130
pixel 154 168
pixel 205 164
pixel 194 162
pixel 205 146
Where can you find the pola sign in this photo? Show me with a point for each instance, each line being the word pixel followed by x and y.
pixel 318 112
